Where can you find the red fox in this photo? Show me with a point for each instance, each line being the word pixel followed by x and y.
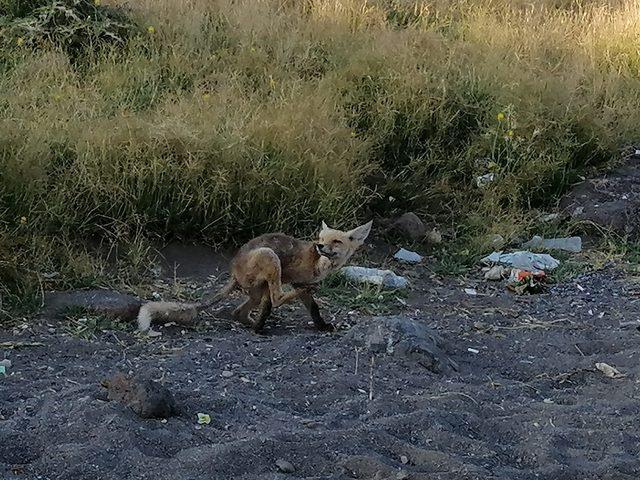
pixel 262 266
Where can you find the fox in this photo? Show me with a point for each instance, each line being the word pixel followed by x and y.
pixel 261 268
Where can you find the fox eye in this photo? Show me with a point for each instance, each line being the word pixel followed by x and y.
pixel 339 242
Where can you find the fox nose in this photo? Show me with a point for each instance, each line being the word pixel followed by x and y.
pixel 321 246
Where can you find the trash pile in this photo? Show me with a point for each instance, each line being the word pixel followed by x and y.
pixel 527 271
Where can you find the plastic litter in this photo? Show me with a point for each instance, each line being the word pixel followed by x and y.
pixel 569 244
pixel 407 256
pixel 375 276
pixel 550 217
pixel 484 180
pixel 523 281
pixel 608 370
pixel 533 262
pixel 204 419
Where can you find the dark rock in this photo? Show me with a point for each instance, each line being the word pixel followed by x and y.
pixel 105 302
pixel 610 201
pixel 148 399
pixel 284 466
pixel 401 336
pixel 409 225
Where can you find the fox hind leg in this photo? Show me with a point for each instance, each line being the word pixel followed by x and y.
pixel 241 313
pixel 264 312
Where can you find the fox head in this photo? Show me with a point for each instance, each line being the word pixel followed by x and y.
pixel 339 246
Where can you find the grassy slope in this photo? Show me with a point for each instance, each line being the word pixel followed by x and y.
pixel 227 118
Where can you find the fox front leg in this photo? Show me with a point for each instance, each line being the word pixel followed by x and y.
pixel 314 310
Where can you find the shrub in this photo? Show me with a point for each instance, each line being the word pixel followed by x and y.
pixel 74 25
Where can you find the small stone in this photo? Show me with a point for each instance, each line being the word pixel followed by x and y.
pixel 407 256
pixel 404 459
pixel 434 236
pixel 284 466
pixel 6 363
pixel 409 224
pixel 227 374
pixel 402 475
pixel 495 273
pixel 148 399
pixel 402 337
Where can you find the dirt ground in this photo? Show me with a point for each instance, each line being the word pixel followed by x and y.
pixel 525 403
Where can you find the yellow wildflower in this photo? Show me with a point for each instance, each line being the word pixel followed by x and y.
pixel 501 116
pixel 97 2
pixel 253 49
pixel 23 220
pixel 20 41
pixel 206 96
pixel 510 133
pixel 151 29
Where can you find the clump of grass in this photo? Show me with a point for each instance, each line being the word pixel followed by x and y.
pixel 218 119
pixel 77 26
pixel 368 299
pixel 88 325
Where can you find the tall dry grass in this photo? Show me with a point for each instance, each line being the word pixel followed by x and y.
pixel 226 118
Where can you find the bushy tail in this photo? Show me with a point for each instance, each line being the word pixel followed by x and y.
pixel 223 292
pixel 178 312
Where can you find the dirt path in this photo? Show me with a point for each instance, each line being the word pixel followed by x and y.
pixel 528 405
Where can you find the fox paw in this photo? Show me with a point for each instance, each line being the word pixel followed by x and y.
pixel 326 327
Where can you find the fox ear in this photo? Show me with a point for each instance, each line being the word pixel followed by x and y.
pixel 360 234
pixel 324 226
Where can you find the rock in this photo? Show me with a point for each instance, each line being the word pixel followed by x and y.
pixel 227 374
pixel 410 225
pixel 495 273
pixel 407 256
pixel 148 399
pixel 6 363
pixel 609 201
pixel 404 459
pixel 105 302
pixel 284 466
pixel 403 337
pixel 434 236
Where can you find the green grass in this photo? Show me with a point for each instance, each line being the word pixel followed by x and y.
pixel 82 323
pixel 217 120
pixel 367 299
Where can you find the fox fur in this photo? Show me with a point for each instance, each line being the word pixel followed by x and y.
pixel 262 266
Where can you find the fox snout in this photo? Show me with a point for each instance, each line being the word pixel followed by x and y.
pixel 324 250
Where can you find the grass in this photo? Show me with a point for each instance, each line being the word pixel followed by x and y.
pixel 367 299
pixel 88 325
pixel 220 119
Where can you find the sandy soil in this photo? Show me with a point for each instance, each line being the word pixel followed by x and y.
pixel 528 405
